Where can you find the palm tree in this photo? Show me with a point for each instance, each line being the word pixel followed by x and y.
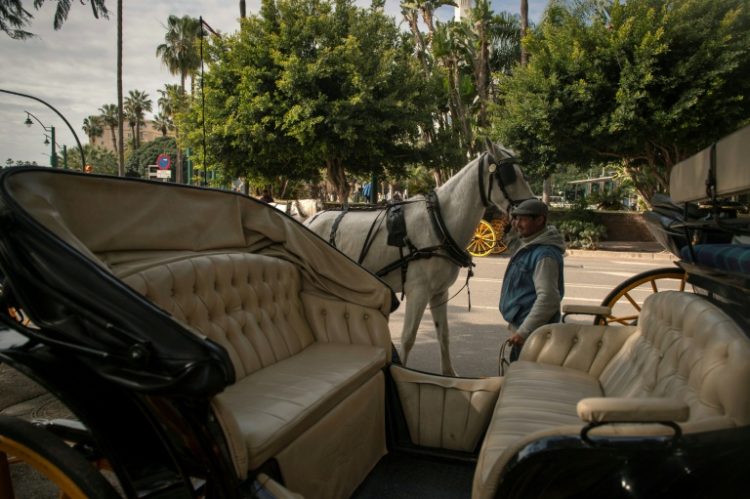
pixel 136 104
pixel 163 123
pixel 120 133
pixel 179 55
pixel 110 119
pixel 92 127
pixel 524 29
pixel 13 16
pixel 170 100
pixel 178 52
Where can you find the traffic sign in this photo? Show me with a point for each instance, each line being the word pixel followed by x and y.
pixel 163 161
pixel 163 174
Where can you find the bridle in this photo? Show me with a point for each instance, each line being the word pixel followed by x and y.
pixel 502 173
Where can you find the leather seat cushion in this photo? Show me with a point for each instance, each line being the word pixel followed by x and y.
pixel 534 397
pixel 277 404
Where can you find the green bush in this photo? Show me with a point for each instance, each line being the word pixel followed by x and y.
pixel 608 200
pixel 581 234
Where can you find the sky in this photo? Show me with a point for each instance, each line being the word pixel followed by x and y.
pixel 74 69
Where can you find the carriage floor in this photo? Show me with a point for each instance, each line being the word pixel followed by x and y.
pixel 399 475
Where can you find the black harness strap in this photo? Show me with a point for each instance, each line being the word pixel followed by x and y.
pixel 335 226
pixel 456 254
pixel 374 228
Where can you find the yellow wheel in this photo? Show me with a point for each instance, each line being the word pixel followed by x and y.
pixel 626 300
pixel 35 463
pixel 498 225
pixel 484 240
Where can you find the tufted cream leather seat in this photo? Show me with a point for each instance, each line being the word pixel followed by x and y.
pixel 685 357
pixel 296 355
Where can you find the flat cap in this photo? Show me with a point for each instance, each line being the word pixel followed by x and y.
pixel 533 207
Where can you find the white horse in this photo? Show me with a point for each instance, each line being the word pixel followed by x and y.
pixel 299 209
pixel 436 245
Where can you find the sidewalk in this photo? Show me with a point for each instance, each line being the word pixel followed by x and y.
pixel 650 250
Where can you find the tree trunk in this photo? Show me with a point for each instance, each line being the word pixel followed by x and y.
pixel 120 131
pixel 546 190
pixel 524 29
pixel 482 73
pixel 337 176
pixel 114 139
pixel 178 163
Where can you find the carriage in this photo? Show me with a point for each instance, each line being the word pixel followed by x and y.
pixel 208 345
pixel 489 235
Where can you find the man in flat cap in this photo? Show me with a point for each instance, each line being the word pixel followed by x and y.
pixel 533 285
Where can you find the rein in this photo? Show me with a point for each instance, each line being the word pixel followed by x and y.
pixel 454 253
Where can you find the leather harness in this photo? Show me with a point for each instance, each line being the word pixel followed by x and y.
pixel 501 172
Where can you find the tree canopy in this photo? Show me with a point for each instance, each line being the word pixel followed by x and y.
pixel 312 84
pixel 643 82
pixel 14 17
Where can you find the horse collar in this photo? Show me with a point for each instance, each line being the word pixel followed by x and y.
pixel 456 253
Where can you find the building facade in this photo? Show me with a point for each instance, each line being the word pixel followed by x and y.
pixel 148 133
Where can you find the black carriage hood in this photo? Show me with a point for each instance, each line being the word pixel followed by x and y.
pixel 66 239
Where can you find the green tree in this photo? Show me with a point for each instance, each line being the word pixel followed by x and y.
pixel 645 83
pixel 178 52
pixel 163 123
pixel 110 120
pixel 14 18
pixel 101 160
pixel 311 84
pixel 180 55
pixel 146 155
pixel 136 104
pixel 92 126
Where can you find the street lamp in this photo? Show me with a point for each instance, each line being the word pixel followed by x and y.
pixel 64 152
pixel 72 131
pixel 51 130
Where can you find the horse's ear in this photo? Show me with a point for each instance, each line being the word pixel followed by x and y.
pixel 489 146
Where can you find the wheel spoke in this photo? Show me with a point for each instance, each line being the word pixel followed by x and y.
pixel 632 301
pixel 652 280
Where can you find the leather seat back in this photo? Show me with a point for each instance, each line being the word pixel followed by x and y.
pixel 248 303
pixel 689 349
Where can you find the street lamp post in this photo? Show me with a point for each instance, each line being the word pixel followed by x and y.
pixel 72 131
pixel 51 130
pixel 54 148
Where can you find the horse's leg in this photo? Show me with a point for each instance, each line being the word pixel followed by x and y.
pixel 416 302
pixel 439 310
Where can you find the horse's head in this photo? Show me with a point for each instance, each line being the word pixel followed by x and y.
pixel 504 183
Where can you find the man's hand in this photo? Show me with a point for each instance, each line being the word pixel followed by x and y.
pixel 517 339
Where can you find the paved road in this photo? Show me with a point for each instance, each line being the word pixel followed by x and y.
pixel 476 335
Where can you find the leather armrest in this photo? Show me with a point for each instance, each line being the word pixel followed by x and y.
pixel 575 309
pixel 632 410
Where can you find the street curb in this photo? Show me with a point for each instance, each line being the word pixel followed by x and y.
pixel 636 255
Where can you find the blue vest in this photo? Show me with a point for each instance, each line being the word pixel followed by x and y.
pixel 518 293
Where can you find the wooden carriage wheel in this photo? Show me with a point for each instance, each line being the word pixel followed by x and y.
pixel 631 293
pixel 54 467
pixel 498 225
pixel 484 240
